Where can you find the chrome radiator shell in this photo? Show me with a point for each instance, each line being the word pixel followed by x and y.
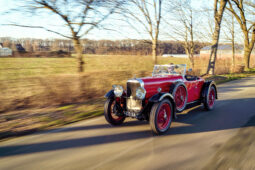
pixel 133 104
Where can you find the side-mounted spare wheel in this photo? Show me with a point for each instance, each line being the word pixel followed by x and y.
pixel 161 116
pixel 180 97
pixel 210 97
pixel 112 112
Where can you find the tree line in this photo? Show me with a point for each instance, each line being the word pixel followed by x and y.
pixel 119 47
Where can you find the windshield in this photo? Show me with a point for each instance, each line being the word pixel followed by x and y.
pixel 164 70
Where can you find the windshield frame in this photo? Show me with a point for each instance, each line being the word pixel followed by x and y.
pixel 175 66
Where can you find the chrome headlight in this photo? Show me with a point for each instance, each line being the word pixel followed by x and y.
pixel 118 90
pixel 140 93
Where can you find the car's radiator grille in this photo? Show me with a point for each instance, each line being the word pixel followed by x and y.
pixel 133 103
pixel 131 88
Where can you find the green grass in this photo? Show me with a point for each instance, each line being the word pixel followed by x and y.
pixel 219 79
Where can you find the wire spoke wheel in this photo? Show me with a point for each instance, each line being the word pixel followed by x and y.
pixel 180 98
pixel 161 116
pixel 112 114
pixel 164 116
pixel 210 98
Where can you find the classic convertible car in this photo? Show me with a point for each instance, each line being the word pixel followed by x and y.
pixel 159 98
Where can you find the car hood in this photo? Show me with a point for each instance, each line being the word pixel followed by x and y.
pixel 152 84
pixel 158 80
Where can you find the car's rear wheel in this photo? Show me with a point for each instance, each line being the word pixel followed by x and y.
pixel 161 116
pixel 210 98
pixel 180 97
pixel 112 113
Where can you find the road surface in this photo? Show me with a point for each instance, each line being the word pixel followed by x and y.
pixel 196 140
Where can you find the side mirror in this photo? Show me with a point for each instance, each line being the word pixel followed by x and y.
pixel 190 70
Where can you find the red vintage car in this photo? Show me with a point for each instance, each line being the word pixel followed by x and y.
pixel 159 98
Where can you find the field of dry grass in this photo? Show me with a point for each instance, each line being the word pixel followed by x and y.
pixel 39 82
pixel 40 93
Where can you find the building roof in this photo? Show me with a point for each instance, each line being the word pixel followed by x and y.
pixel 224 47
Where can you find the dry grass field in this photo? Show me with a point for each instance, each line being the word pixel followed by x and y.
pixel 40 93
pixel 30 82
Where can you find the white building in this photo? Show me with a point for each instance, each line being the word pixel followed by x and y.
pixel 224 51
pixel 175 55
pixel 5 52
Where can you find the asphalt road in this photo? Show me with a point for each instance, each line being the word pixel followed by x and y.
pixel 193 141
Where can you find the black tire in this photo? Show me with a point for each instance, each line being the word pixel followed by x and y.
pixel 108 113
pixel 210 97
pixel 186 97
pixel 154 115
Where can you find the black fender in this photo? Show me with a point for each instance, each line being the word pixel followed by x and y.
pixel 205 89
pixel 161 96
pixel 109 94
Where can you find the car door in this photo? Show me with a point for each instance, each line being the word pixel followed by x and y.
pixel 191 88
pixel 197 89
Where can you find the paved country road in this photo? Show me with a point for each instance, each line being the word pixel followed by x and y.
pixel 198 139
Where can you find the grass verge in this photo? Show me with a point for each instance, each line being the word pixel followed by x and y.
pixel 219 79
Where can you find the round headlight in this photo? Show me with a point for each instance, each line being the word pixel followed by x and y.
pixel 118 90
pixel 140 93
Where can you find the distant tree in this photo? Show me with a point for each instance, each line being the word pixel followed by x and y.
pixel 231 34
pixel 79 16
pixel 146 13
pixel 183 26
pixel 243 10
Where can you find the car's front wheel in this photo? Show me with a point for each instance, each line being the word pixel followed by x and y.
pixel 112 112
pixel 210 98
pixel 161 116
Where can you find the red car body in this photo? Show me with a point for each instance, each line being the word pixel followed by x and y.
pixel 151 84
pixel 157 99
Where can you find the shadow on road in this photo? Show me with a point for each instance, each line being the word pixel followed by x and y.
pixel 228 89
pixel 229 114
pixel 94 127
pixel 235 85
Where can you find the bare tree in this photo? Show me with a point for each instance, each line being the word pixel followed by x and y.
pixel 230 34
pixel 241 10
pixel 80 17
pixel 219 7
pixel 148 15
pixel 183 26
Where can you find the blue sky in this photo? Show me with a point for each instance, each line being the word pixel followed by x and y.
pixel 17 32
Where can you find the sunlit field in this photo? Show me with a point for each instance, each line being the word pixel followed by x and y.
pixel 46 78
pixel 38 93
pixel 39 82
pixel 24 81
pixel 16 68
